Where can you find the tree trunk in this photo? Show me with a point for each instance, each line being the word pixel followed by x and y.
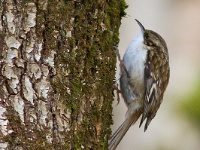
pixel 57 66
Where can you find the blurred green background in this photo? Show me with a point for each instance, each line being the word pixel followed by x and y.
pixel 190 107
pixel 177 123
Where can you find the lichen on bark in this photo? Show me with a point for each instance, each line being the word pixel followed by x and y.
pixel 57 69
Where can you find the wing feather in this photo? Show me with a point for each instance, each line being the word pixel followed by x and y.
pixel 153 85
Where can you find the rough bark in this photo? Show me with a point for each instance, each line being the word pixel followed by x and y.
pixel 57 66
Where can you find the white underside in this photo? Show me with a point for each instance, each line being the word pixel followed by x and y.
pixel 134 59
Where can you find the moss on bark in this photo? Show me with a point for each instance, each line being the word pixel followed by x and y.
pixel 80 35
pixel 83 33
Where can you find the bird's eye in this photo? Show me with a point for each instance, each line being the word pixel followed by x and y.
pixel 146 36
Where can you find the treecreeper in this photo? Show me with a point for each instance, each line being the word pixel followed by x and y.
pixel 144 77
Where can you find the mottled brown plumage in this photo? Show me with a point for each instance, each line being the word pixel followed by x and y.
pixel 156 74
pixel 145 76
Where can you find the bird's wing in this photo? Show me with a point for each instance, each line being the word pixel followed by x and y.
pixel 155 84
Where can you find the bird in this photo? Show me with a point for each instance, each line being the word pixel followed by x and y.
pixel 144 78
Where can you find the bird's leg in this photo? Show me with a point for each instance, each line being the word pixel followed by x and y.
pixel 121 64
pixel 115 86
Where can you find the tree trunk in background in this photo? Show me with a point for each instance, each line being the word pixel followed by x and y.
pixel 57 68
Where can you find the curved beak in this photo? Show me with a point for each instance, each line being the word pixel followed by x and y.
pixel 141 26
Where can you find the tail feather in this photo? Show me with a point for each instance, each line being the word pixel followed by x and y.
pixel 119 134
pixel 121 131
